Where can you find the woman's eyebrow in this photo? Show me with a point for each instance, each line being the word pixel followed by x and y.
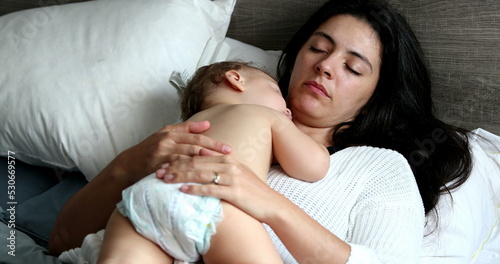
pixel 354 53
pixel 363 58
pixel 324 35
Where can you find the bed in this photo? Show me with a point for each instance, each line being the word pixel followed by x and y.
pixel 80 81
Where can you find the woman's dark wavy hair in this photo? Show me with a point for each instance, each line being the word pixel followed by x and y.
pixel 399 115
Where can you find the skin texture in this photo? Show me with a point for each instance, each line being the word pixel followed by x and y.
pixel 316 111
pixel 330 58
pixel 89 209
pixel 330 82
pixel 252 100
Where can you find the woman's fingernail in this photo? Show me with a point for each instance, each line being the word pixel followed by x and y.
pixel 160 173
pixel 184 188
pixel 168 177
pixel 164 166
pixel 226 149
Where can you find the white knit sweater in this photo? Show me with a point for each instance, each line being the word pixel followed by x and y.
pixel 369 199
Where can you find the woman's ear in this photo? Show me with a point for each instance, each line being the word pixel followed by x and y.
pixel 235 80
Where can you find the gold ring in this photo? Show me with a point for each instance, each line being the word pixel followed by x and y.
pixel 216 178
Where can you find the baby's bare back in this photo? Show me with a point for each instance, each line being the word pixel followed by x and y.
pixel 245 127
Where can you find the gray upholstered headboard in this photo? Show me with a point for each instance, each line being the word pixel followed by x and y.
pixel 460 37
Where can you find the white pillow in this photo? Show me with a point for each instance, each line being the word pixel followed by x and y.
pixel 81 82
pixel 468 230
pixel 265 59
pixel 235 50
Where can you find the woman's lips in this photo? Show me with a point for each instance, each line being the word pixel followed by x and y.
pixel 317 88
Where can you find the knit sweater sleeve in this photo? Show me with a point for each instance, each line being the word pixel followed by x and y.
pixel 369 199
pixel 387 220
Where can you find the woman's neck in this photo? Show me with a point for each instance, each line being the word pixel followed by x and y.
pixel 321 135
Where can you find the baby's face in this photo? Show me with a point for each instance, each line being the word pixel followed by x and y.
pixel 263 90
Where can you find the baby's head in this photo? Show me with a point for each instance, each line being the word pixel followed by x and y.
pixel 251 85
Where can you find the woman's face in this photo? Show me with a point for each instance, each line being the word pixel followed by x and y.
pixel 335 72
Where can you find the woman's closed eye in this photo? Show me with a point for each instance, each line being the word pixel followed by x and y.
pixel 352 70
pixel 349 68
pixel 314 49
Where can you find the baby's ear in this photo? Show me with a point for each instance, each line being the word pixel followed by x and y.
pixel 235 80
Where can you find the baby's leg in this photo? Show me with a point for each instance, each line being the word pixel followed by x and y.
pixel 240 239
pixel 122 244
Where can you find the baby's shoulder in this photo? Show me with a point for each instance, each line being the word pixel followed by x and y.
pixel 253 108
pixel 251 111
pixel 246 116
pixel 242 114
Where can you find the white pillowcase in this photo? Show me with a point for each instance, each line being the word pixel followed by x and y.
pixel 235 50
pixel 267 60
pixel 468 230
pixel 79 83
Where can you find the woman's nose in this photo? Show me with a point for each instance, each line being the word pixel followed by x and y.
pixel 323 68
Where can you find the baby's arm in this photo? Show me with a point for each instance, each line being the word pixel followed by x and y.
pixel 298 154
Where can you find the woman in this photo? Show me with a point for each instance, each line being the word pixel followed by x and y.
pixel 356 81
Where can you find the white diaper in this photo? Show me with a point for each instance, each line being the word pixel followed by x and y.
pixel 181 224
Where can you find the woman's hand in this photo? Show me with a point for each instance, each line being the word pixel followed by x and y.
pixel 171 143
pixel 237 184
pixel 305 238
pixel 89 209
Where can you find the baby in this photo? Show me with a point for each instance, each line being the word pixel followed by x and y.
pixel 247 111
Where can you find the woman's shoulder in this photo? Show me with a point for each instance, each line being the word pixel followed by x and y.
pixel 359 178
pixel 371 166
pixel 363 150
pixel 360 168
pixel 368 157
pixel 366 162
